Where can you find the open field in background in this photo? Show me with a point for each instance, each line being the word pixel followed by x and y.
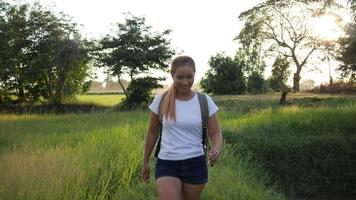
pixel 114 99
pixel 103 100
pixel 98 155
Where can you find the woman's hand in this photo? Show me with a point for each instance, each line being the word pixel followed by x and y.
pixel 145 172
pixel 213 155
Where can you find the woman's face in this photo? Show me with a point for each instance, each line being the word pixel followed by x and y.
pixel 183 79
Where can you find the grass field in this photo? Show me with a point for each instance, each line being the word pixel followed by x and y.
pixel 104 100
pixel 98 155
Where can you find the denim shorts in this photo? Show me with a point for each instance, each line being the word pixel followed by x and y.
pixel 191 171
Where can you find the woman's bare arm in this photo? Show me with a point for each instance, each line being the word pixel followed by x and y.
pixel 215 137
pixel 151 138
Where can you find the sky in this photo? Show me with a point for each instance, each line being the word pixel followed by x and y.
pixel 200 28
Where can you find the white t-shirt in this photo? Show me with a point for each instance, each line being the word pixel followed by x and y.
pixel 183 139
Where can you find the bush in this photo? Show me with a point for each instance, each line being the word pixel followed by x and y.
pixel 138 93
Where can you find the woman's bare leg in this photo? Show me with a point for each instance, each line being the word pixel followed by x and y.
pixel 192 191
pixel 169 188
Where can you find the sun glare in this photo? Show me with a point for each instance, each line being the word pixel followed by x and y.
pixel 325 27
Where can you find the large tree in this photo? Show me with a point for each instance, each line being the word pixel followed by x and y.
pixel 14 44
pixel 134 50
pixel 59 56
pixel 250 52
pixel 348 50
pixel 4 72
pixel 225 76
pixel 283 27
pixel 41 54
pixel 71 69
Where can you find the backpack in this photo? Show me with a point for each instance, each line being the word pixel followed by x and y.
pixel 204 116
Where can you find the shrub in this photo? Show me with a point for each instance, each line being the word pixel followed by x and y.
pixel 138 92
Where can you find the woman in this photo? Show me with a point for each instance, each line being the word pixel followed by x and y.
pixel 181 168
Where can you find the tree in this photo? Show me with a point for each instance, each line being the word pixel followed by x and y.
pixel 41 54
pixel 250 52
pixel 59 56
pixel 282 27
pixel 4 72
pixel 134 50
pixel 256 84
pixel 280 74
pixel 71 69
pixel 225 76
pixel 13 46
pixel 45 40
pixel 348 48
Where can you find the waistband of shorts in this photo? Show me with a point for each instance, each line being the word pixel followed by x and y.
pixel 202 157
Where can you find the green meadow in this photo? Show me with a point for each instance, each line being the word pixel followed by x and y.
pixel 104 100
pixel 270 152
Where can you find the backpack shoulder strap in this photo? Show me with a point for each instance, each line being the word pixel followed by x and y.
pixel 160 114
pixel 204 109
pixel 160 117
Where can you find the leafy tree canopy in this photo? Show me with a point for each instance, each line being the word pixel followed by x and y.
pixel 348 48
pixel 280 74
pixel 225 76
pixel 134 50
pixel 277 27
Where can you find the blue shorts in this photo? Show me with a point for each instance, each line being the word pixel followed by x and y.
pixel 191 171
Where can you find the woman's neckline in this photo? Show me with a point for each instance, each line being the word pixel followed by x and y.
pixel 190 98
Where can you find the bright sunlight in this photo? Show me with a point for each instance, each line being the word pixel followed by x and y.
pixel 326 28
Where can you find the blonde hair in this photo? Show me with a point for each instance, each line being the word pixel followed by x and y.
pixel 169 103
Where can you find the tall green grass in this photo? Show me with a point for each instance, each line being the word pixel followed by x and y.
pixel 98 155
pixel 237 177
pixel 70 157
pixel 306 150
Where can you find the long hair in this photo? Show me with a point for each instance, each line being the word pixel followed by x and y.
pixel 169 103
